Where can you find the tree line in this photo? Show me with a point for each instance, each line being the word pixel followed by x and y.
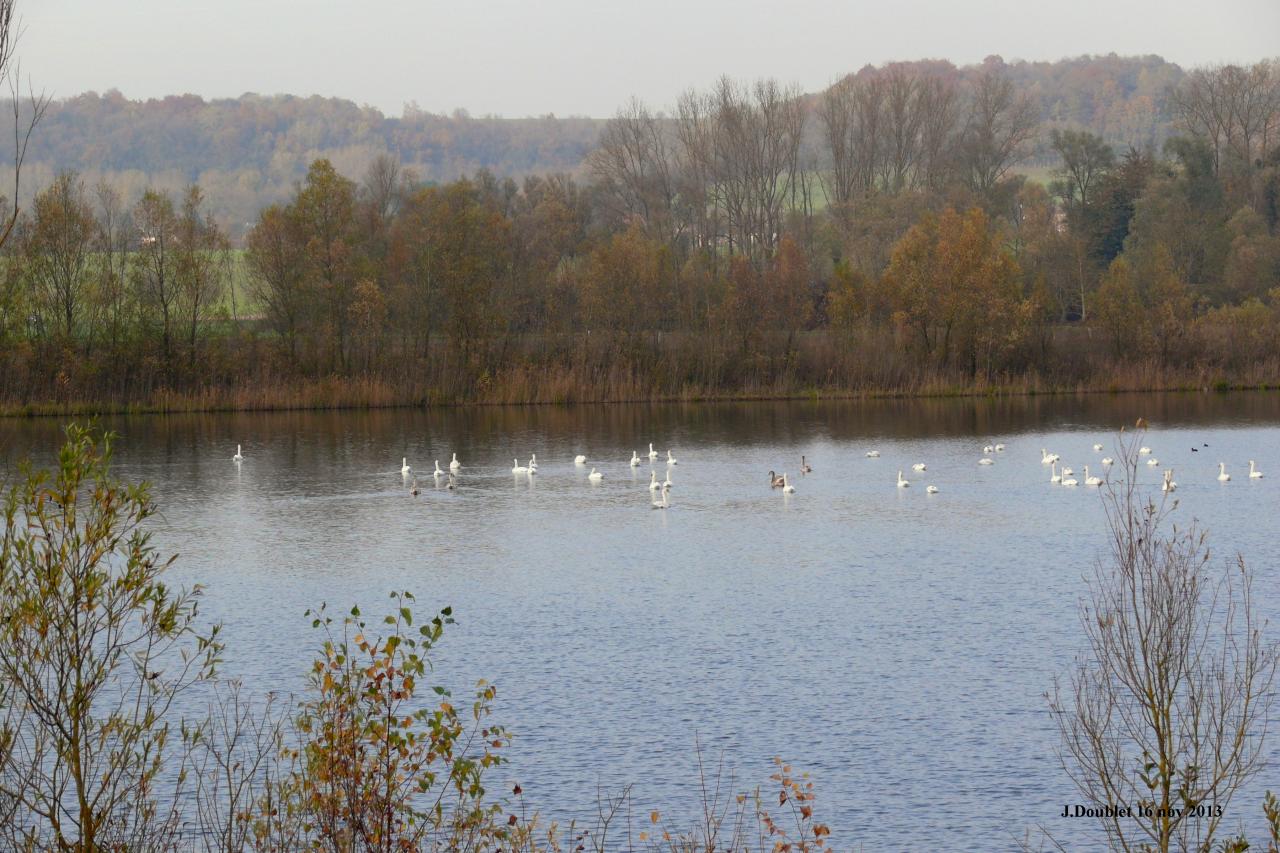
pixel 249 152
pixel 752 240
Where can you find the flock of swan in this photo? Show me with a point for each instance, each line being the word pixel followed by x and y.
pixel 1064 476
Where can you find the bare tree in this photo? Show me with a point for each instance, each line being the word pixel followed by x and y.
pixel 200 273
pixel 999 125
pixel 154 271
pixel 1237 111
pixel 1164 716
pixel 902 125
pixel 634 165
pixel 24 123
pixel 939 119
pixel 113 252
pixel 850 111
pixel 59 246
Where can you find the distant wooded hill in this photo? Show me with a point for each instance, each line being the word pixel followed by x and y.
pixel 250 151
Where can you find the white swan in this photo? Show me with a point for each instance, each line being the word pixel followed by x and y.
pixel 580 459
pixel 653 454
pixel 595 476
pixel 986 461
pixel 654 485
pixel 635 460
pixel 437 473
pixel 1054 476
pixel 1047 458
pixel 671 460
pixel 662 504
pixel 873 454
pixel 239 457
pixel 533 464
pixel 1254 474
pixel 933 490
pixel 1223 476
pixel 1070 481
pixel 1108 461
pixel 1097 447
pixel 1168 485
pixel 1153 462
pixel 990 448
pixel 1144 450
pixel 919 466
pixel 1091 481
pixel 666 484
pixel 454 465
pixel 517 468
pixel 404 467
pixel 999 448
pixel 787 488
pixel 1067 471
pixel 902 484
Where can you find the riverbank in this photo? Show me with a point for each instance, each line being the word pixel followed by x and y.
pixel 341 393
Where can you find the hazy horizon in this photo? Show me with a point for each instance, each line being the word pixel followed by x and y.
pixel 559 57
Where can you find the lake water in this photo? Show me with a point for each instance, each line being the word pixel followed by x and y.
pixel 894 644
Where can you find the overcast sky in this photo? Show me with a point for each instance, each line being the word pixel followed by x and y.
pixel 583 57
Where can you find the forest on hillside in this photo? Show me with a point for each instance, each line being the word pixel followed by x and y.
pixel 755 240
pixel 251 151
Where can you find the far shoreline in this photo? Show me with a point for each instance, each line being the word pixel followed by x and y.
pixel 307 400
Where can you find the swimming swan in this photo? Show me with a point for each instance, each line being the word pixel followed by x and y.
pixel 654 485
pixel 990 448
pixel 933 490
pixel 1091 481
pixel 999 448
pixel 653 454
pixel 635 460
pixel 454 465
pixel 1108 461
pixel 902 484
pixel 662 504
pixel 787 488
pixel 986 461
pixel 1070 481
pixel 1223 476
pixel 1054 476
pixel 239 457
pixel 1169 485
pixel 1144 450
pixel 919 466
pixel 437 473
pixel 404 467
pixel 533 464
pixel 805 468
pixel 1097 447
pixel 414 490
pixel 775 480
pixel 873 454
pixel 1153 462
pixel 671 460
pixel 580 460
pixel 1254 474
pixel 517 468
pixel 1047 458
pixel 595 476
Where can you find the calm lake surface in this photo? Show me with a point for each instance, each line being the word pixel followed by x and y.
pixel 894 644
